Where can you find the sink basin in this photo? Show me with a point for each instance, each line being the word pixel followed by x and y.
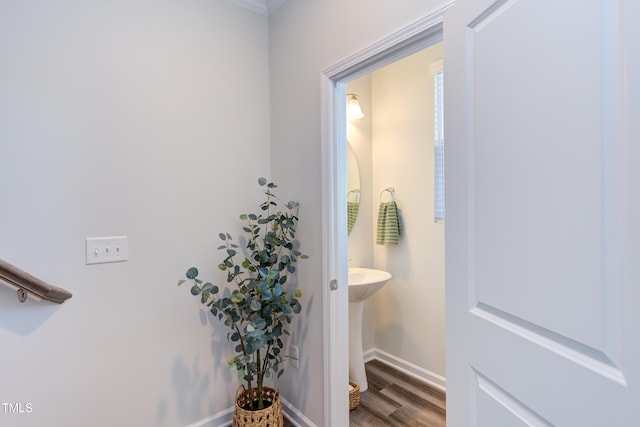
pixel 364 282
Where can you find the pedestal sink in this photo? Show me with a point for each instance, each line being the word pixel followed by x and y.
pixel 363 282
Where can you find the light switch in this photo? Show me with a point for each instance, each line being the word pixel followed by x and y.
pixel 100 250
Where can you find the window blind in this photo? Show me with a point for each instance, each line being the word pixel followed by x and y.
pixel 438 139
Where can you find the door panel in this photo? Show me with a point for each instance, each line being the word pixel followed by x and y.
pixel 539 213
pixel 532 194
pixel 497 407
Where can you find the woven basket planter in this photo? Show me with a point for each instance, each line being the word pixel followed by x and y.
pixel 354 395
pixel 270 416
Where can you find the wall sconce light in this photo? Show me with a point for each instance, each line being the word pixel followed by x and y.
pixel 354 112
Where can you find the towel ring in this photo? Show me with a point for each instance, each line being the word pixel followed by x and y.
pixel 391 191
pixel 356 195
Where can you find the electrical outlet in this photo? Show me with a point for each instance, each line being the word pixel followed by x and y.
pixel 295 356
pixel 100 250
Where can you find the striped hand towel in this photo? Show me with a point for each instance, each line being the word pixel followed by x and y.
pixel 352 214
pixel 389 229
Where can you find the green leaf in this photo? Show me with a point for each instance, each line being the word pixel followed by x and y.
pixel 244 217
pixel 195 290
pixel 297 308
pixel 266 310
pixel 266 295
pixel 222 236
pixel 192 273
pixel 277 331
pixel 260 323
pixel 272 274
pixel 181 281
pixel 277 290
pixel 298 293
pixel 255 305
pixel 262 181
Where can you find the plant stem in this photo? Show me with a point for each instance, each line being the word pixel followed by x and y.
pixel 260 380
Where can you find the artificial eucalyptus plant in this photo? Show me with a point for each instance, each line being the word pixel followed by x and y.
pixel 258 307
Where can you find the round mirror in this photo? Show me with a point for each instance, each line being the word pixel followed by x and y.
pixel 353 188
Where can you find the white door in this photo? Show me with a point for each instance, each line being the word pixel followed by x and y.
pixel 542 142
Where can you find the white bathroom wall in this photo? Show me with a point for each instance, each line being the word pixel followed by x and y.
pixel 124 117
pixel 306 37
pixel 408 313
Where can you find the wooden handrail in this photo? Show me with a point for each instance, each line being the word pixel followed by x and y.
pixel 28 284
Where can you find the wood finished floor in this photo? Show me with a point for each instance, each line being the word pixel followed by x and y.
pixel 399 400
pixel 395 399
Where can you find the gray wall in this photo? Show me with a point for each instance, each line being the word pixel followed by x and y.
pixel 124 117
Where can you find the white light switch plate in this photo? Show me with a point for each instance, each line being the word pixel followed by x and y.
pixel 100 250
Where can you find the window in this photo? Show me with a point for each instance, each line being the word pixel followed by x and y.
pixel 438 140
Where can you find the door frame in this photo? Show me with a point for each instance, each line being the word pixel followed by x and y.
pixel 417 36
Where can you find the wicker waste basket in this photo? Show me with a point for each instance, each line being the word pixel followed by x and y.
pixel 354 395
pixel 268 417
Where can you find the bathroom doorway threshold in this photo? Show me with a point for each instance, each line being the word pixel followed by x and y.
pixel 417 36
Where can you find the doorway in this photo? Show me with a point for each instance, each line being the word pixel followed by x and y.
pixel 418 36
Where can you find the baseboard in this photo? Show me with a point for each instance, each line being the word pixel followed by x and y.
pixel 225 418
pixel 296 417
pixel 408 368
pixel 219 419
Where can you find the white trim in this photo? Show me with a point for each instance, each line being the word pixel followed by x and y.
pixel 263 7
pixel 259 6
pixel 335 302
pixel 437 66
pixel 297 418
pixel 436 380
pixel 416 36
pixel 224 418
pixel 272 5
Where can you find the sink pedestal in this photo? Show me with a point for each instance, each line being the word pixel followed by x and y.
pixel 356 355
pixel 363 282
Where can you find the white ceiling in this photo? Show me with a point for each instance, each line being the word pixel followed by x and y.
pixel 263 7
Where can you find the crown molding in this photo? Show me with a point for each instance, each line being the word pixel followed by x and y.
pixel 263 7
pixel 272 5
